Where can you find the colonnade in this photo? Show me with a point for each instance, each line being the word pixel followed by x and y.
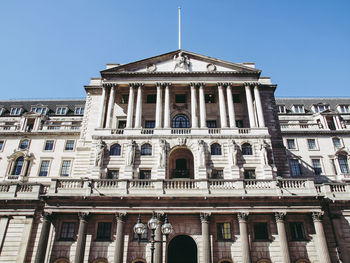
pixel 162 114
pixel 321 242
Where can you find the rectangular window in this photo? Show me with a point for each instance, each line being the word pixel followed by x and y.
pixel 124 99
pixel 343 163
pixel 217 174
pixel 49 145
pixel 145 174
pixel 104 231
pixel 67 231
pixel 151 98
pixel 236 98
pixel 291 144
pixel 113 174
pixel 212 124
pixel 316 163
pixel 224 231
pixel 61 110
pixel 1 145
pixel 344 108
pixel 209 98
pixel 298 108
pixel 297 231
pixel 121 124
pixel 150 124
pixel 249 174
pixel 180 98
pixel 320 108
pixel 337 143
pixel 15 111
pixel 69 145
pixel 79 111
pixel 40 110
pixel 295 167
pixel 281 109
pixel 239 123
pixel 311 144
pixel 65 169
pixel 260 231
pixel 44 168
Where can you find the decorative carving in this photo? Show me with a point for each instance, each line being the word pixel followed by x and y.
pixel 201 153
pixel 47 216
pixel 264 151
pixel 130 153
pixel 151 67
pixel 211 67
pixel 83 216
pixel 182 61
pixel 317 216
pixel 205 217
pixel 181 141
pixel 162 153
pixel 100 151
pixel 121 217
pixel 235 153
pixel 242 217
pixel 280 216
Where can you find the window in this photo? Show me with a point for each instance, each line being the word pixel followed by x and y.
pixel 150 124
pixel 215 149
pixel 121 124
pixel 61 110
pixel 249 174
pixel 224 231
pixel 316 163
pixel 44 168
pixel 115 150
pixel 69 145
pixel 247 149
pixel 146 149
pixel 65 169
pixel 217 174
pixel 343 163
pixel 180 98
pixel 79 110
pixel 260 231
pixel 124 99
pixel 295 167
pixel 67 231
pixel 113 174
pixel 15 111
pixel 291 144
pixel 236 98
pixel 24 145
pixel 320 108
pixel 181 121
pixel 337 143
pixel 40 110
pixel 151 98
pixel 281 109
pixel 209 98
pixel 104 231
pixel 297 231
pixel 49 145
pixel 239 123
pixel 211 124
pixel 17 168
pixel 298 108
pixel 145 174
pixel 344 108
pixel 2 145
pixel 311 144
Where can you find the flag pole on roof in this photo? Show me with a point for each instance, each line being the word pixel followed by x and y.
pixel 179 27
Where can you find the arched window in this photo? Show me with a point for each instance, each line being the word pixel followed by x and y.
pixel 215 149
pixel 100 260
pixel 17 168
pixel 264 261
pixel 247 149
pixel 61 260
pixel 181 121
pixel 343 163
pixel 115 150
pixel 146 149
pixel 24 144
pixel 302 261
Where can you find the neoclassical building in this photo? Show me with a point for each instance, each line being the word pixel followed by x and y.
pixel 183 138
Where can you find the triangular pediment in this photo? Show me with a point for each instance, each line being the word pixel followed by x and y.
pixel 181 61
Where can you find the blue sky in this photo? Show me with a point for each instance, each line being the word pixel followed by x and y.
pixel 50 49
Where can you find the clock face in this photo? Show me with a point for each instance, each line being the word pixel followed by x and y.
pixel 151 67
pixel 211 67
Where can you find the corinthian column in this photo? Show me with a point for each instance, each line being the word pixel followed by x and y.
pixel 110 107
pixel 101 115
pixel 250 107
pixel 222 106
pixel 119 238
pixel 194 106
pixel 231 109
pixel 259 106
pixel 243 232
pixel 205 219
pixel 167 107
pixel 202 110
pixel 79 253
pixel 44 236
pixel 158 252
pixel 159 106
pixel 321 238
pixel 281 229
pixel 130 113
pixel 138 116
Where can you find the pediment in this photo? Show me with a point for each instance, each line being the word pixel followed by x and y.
pixel 181 61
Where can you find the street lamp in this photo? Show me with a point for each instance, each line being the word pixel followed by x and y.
pixel 153 223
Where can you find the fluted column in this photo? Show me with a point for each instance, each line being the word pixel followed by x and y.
pixel 138 117
pixel 167 106
pixel 44 236
pixel 231 108
pixel 131 105
pixel 101 116
pixel 281 229
pixel 205 220
pixel 194 106
pixel 110 107
pixel 250 107
pixel 222 106
pixel 259 108
pixel 243 232
pixel 202 110
pixel 119 238
pixel 79 253
pixel 159 106
pixel 321 238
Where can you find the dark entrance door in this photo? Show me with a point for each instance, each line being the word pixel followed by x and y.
pixel 181 170
pixel 182 249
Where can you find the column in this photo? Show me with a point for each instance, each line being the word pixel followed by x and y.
pixel 231 109
pixel 202 110
pixel 44 236
pixel 222 106
pixel 25 239
pixel 259 106
pixel 110 107
pixel 243 232
pixel 158 245
pixel 339 234
pixel 4 221
pixel 102 108
pixel 80 250
pixel 248 94
pixel 130 113
pixel 119 238
pixel 205 220
pixel 159 106
pixel 281 229
pixel 194 106
pixel 167 107
pixel 321 238
pixel 138 117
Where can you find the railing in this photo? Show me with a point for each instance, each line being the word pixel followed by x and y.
pixel 214 131
pixel 312 126
pixel 117 131
pixel 180 131
pixel 147 131
pixel 243 130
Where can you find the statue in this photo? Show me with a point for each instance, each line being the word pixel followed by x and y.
pixel 234 153
pixel 130 153
pixel 201 153
pixel 264 153
pixel 182 61
pixel 162 153
pixel 100 152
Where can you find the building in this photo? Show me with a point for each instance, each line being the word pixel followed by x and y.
pixel 241 176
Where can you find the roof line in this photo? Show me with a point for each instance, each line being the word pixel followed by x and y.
pixel 311 97
pixel 43 99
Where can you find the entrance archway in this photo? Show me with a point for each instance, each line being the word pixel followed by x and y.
pixel 182 249
pixel 181 163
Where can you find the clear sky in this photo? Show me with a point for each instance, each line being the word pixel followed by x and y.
pixel 50 49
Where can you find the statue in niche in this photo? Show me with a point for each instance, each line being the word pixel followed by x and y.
pixel 264 150
pixel 201 153
pixel 162 153
pixel 130 153
pixel 234 153
pixel 182 61
pixel 100 152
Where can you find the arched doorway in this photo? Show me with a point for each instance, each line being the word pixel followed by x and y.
pixel 182 249
pixel 181 163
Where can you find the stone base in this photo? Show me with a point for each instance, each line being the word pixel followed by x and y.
pixel 160 173
pixel 202 173
pixel 96 173
pixel 128 172
pixel 235 173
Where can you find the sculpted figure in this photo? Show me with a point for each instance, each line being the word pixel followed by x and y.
pixel 100 151
pixel 264 153
pixel 234 153
pixel 130 153
pixel 201 153
pixel 162 153
pixel 181 61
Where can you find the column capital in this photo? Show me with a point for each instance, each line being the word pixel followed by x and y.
pixel 159 84
pixel 200 84
pixel 166 84
pixel 280 216
pixel 47 216
pixel 193 84
pixel 120 217
pixel 136 84
pixel 109 85
pixel 205 217
pixel 242 217
pixel 83 216
pixel 317 216
pixel 220 84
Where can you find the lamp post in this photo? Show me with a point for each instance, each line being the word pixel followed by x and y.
pixel 153 223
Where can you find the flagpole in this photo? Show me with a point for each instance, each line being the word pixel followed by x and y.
pixel 179 27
